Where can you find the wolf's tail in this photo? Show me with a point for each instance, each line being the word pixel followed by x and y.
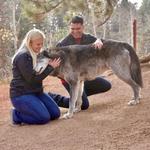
pixel 135 66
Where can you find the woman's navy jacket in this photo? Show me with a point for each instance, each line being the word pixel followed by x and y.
pixel 25 80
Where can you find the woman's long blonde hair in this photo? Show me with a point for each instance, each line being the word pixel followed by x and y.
pixel 31 35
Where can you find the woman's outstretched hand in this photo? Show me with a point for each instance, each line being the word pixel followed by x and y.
pixel 55 62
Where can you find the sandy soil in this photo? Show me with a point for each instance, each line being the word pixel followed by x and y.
pixel 109 123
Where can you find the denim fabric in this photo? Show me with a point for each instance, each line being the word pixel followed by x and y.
pixel 34 109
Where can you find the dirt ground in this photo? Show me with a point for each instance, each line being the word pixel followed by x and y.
pixel 109 123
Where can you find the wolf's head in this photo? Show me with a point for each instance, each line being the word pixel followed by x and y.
pixel 52 54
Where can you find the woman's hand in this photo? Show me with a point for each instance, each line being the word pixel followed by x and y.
pixel 55 62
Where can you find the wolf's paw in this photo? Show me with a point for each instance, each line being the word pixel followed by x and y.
pixel 137 99
pixel 67 115
pixel 133 102
pixel 77 110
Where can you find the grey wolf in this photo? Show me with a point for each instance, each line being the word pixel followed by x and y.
pixel 84 62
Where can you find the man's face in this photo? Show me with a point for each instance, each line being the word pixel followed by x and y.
pixel 76 29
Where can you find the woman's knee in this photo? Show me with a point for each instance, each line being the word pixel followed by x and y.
pixel 55 114
pixel 43 119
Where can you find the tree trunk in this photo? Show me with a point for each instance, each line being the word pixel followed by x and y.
pixel 91 7
pixel 14 24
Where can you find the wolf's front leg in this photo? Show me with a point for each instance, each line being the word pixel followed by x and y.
pixel 74 88
pixel 79 98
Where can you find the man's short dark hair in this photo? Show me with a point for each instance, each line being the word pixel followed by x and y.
pixel 77 19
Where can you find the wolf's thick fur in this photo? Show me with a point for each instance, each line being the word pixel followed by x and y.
pixel 84 62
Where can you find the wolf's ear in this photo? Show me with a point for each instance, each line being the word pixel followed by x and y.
pixel 48 49
pixel 46 54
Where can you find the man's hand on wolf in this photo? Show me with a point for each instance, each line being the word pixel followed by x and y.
pixel 98 44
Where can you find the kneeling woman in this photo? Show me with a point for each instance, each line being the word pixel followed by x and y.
pixel 31 104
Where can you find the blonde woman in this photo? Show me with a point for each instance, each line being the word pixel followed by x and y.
pixel 31 104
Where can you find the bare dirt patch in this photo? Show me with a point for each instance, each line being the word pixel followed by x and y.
pixel 109 123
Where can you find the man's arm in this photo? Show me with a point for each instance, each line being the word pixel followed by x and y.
pixel 96 41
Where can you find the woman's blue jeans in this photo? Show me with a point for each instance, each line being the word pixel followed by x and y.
pixel 34 109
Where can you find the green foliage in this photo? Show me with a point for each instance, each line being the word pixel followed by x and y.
pixel 59 34
pixel 37 9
